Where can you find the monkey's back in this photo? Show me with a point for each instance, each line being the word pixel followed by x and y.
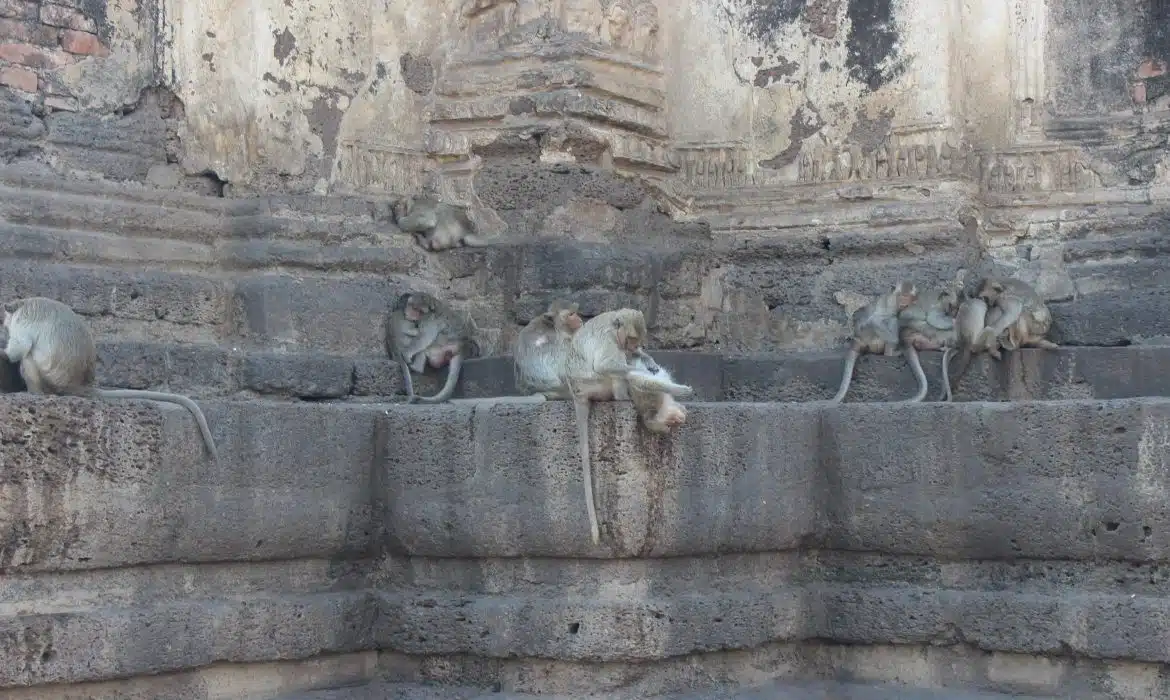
pixel 61 343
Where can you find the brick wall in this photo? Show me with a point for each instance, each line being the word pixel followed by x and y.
pixel 37 37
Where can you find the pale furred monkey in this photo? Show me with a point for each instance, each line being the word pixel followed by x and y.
pixel 599 367
pixel 57 355
pixel 875 330
pixel 540 350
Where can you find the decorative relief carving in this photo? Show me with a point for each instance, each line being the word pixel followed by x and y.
pixel 631 26
pixel 374 168
pixel 714 166
pixel 640 151
pixel 889 161
pixel 1036 171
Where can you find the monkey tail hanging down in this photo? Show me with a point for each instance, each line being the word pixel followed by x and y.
pixel 57 355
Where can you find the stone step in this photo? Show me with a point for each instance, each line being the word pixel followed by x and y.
pixel 784 690
pixel 203 370
pixel 304 271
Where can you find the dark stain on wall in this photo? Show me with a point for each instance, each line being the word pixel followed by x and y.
pixel 773 74
pixel 762 18
pixel 805 122
pixel 285 43
pixel 417 73
pixel 1158 30
pixel 873 36
pixel 1097 52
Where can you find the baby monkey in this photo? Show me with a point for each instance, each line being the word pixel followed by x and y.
pixel 875 329
pixel 540 350
pixel 57 355
pixel 422 330
pixel 658 410
pixel 436 225
pixel 599 366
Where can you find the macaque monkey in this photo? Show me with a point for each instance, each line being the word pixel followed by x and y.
pixel 422 330
pixel 57 355
pixel 875 329
pixel 1025 318
pixel 436 225
pixel 599 366
pixel 927 324
pixel 972 318
pixel 541 348
pixel 658 409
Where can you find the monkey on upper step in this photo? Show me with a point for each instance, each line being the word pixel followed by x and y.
pixel 437 225
pixel 57 355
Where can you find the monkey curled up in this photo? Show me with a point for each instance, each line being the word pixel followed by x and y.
pixel 421 330
pixel 57 355
pixel 603 361
pixel 437 225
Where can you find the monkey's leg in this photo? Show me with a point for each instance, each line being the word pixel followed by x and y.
pixel 32 377
pixel 453 368
pixel 916 365
pixel 846 375
pixel 418 362
pixel 1010 313
pixel 1045 344
pixel 642 382
pixel 475 241
pixel 17 348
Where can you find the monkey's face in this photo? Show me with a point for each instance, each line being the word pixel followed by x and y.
pixel 417 308
pixel 906 294
pixel 948 301
pixel 990 291
pixel 571 320
pixel 630 333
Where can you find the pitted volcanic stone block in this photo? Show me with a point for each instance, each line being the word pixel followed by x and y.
pixel 1069 479
pixel 89 484
pixel 138 296
pixel 505 480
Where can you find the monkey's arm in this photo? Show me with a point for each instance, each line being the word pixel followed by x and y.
pixel 1011 308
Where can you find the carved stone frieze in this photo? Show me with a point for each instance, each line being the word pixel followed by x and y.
pixel 1033 170
pixel 373 168
pixel 715 166
pixel 890 161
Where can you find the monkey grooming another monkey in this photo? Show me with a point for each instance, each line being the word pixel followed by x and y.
pixel 927 324
pixel 422 330
pixel 598 366
pixel 436 225
pixel 1024 318
pixel 875 329
pixel 540 350
pixel 970 321
pixel 57 355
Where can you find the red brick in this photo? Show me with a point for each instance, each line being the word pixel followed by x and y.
pixel 13 30
pixel 33 56
pixel 82 43
pixel 19 78
pixel 19 9
pixel 66 17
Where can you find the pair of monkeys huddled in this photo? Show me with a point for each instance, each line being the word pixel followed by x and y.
pixel 556 356
pixel 1004 314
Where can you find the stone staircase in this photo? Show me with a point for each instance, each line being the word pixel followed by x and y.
pixel 1012 544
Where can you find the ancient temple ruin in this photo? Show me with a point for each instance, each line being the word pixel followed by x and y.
pixel 211 185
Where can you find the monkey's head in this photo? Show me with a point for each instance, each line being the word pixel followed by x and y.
pixel 948 300
pixel 990 290
pixel 10 308
pixel 906 293
pixel 629 330
pixel 416 305
pixel 563 315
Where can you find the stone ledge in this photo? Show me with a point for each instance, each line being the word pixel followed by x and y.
pixel 89 485
pixel 972 480
pixel 147 639
pixel 1069 373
